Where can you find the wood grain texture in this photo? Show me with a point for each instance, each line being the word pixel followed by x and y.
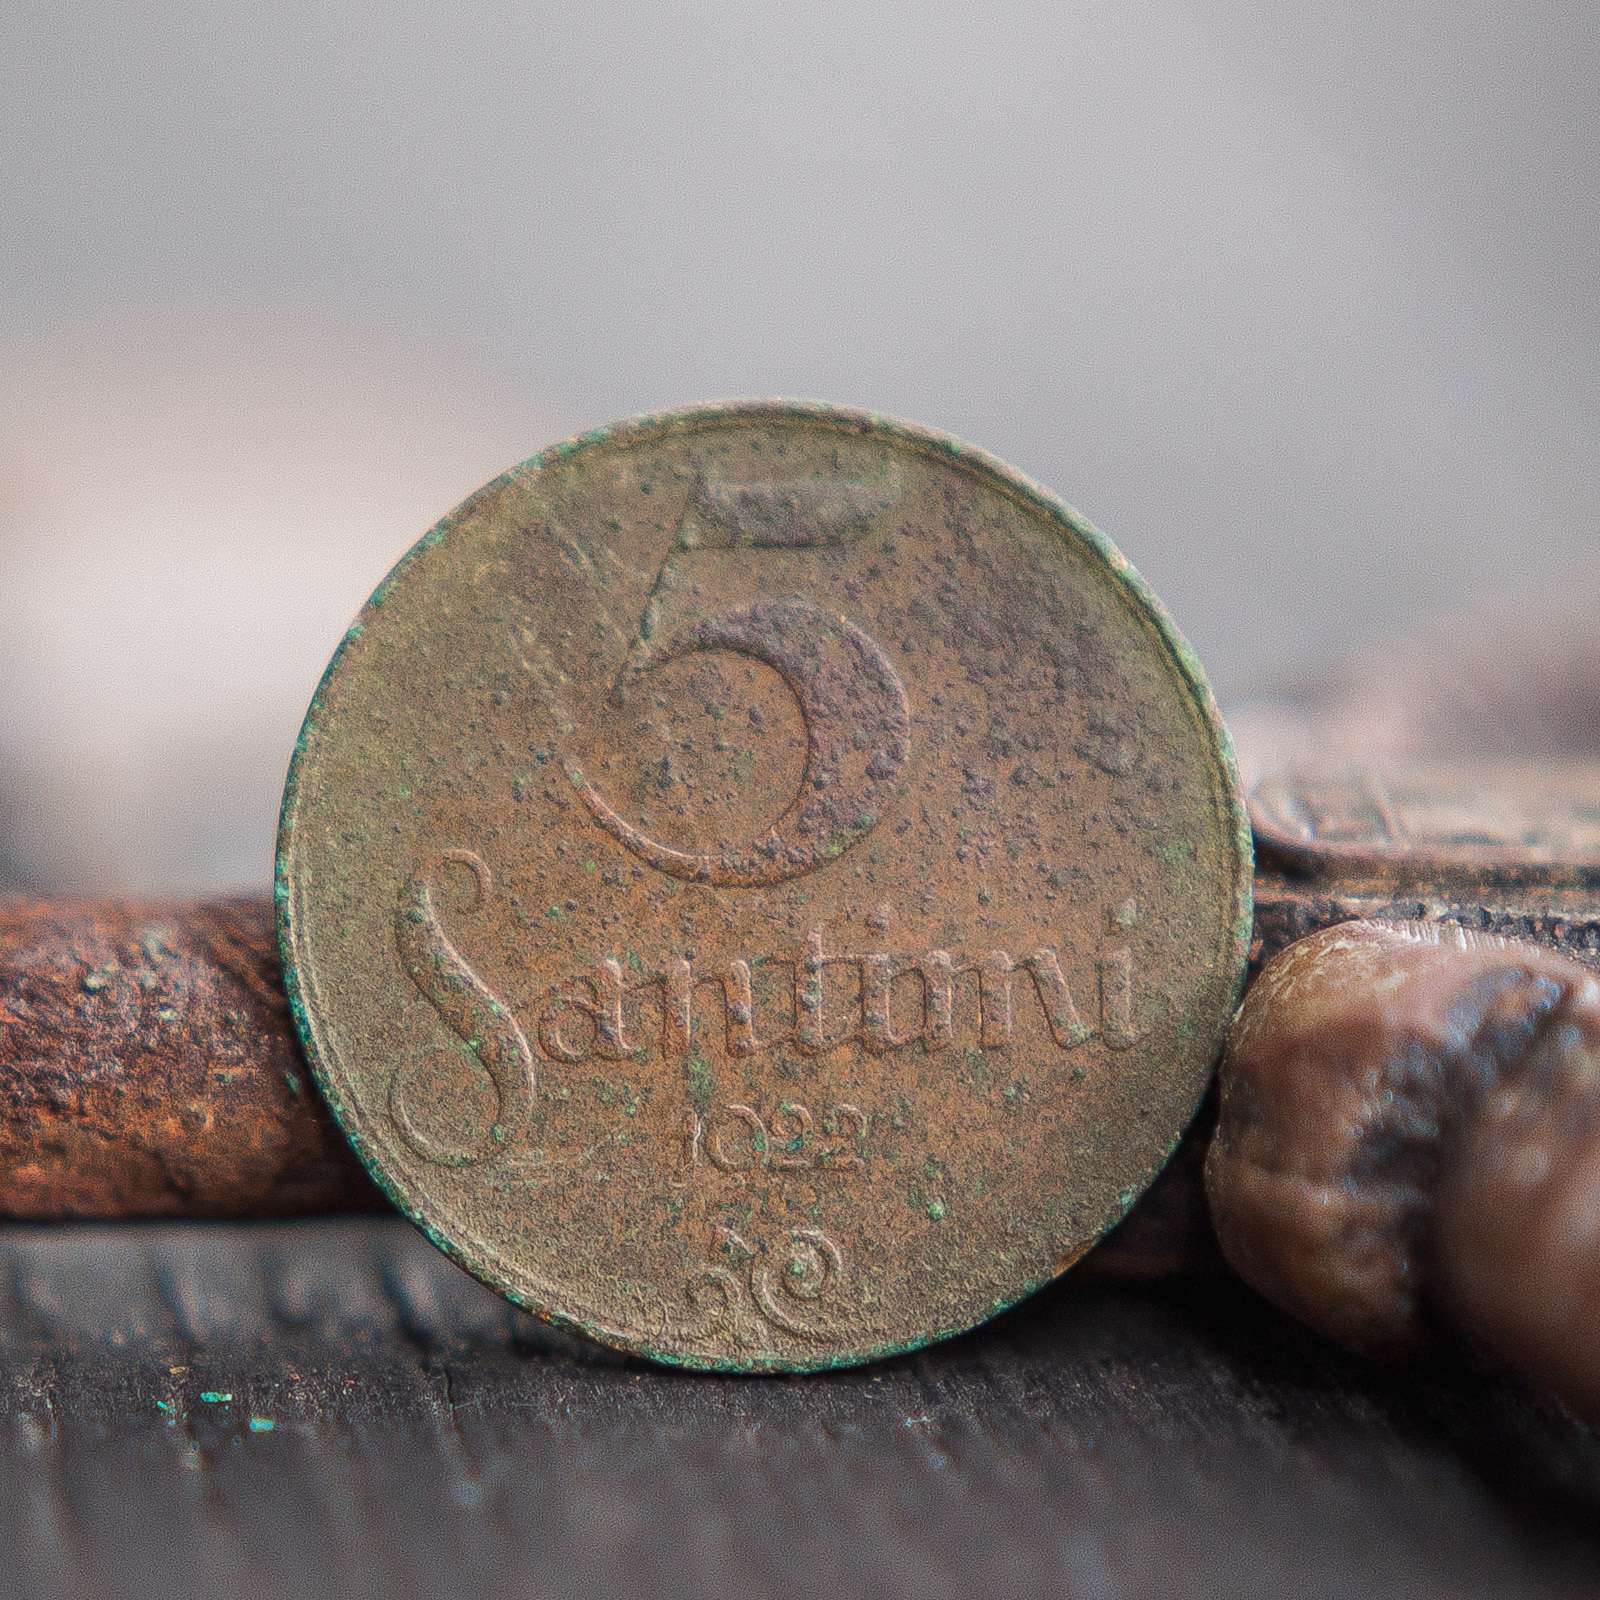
pixel 1101 1441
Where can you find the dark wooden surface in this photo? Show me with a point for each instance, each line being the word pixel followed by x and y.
pixel 1103 1440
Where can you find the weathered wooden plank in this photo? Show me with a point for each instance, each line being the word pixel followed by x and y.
pixel 1102 1440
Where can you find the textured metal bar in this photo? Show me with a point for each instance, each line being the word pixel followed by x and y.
pixel 148 1068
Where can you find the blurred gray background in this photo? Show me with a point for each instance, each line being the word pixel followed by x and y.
pixel 1300 304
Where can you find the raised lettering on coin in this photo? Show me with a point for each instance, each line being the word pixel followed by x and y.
pixel 763 885
pixel 465 1004
pixel 858 739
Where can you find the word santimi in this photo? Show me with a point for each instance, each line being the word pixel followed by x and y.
pixel 614 1013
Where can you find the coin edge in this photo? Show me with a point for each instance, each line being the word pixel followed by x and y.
pixel 1032 495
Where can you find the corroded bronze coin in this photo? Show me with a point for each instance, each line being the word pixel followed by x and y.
pixel 763 885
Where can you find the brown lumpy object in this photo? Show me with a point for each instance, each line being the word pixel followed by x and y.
pixel 148 1068
pixel 1357 1091
pixel 1517 1236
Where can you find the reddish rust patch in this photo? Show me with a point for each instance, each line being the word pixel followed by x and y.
pixel 148 1068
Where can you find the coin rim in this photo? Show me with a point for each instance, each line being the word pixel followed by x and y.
pixel 981 465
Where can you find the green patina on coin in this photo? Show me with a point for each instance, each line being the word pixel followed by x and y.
pixel 763 885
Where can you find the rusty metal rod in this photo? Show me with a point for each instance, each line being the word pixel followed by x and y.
pixel 148 1068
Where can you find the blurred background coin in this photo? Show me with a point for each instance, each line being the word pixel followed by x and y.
pixel 764 885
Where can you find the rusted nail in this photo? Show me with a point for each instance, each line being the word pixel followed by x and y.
pixel 148 1068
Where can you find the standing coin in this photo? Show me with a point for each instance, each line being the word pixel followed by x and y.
pixel 763 885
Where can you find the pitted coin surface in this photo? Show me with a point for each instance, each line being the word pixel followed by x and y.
pixel 764 885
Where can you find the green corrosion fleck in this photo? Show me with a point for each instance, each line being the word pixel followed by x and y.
pixel 262 1424
pixel 700 1082
pixel 215 1397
